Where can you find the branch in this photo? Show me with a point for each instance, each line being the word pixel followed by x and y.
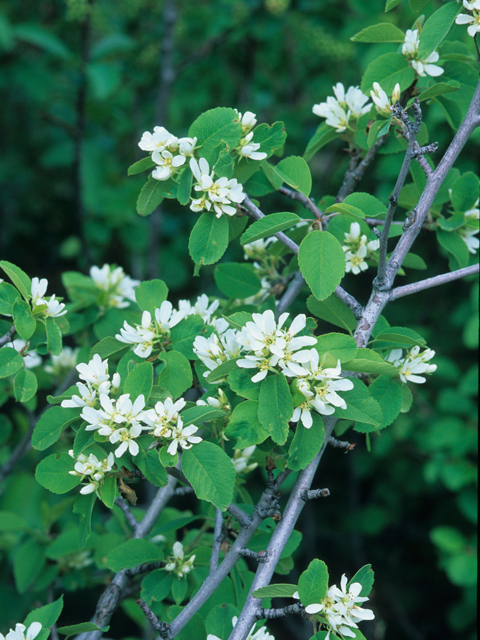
pixel 162 627
pixel 254 212
pixel 299 197
pixel 129 517
pixel 8 337
pixel 313 494
pixel 429 283
pixel 340 444
pixel 293 290
pixel 356 171
pixel 251 609
pixel 270 614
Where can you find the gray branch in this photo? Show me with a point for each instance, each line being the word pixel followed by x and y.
pixel 436 281
pixel 217 540
pixel 270 614
pixel 8 337
pixel 244 520
pixel 129 517
pixel 306 202
pixel 340 444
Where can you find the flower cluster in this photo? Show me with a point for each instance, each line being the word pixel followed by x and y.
pixel 241 460
pixel 247 148
pixel 472 20
pixel 412 364
pixel 358 249
pixel 217 349
pixel 177 562
pixel 345 109
pixel 96 381
pixel 151 330
pixel 92 469
pixel 222 195
pixel 384 104
pixel 167 424
pixel 201 307
pixel 48 308
pixel 339 610
pixel 470 229
pixel 410 51
pixel 19 633
pixel 168 152
pixel 117 287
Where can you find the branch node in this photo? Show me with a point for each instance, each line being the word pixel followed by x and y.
pixel 340 444
pixel 312 494
pixel 261 557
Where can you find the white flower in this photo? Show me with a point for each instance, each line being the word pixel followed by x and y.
pixel 356 261
pixel 474 213
pixel 357 248
pixel 410 51
pixel 92 467
pixel 186 146
pixel 214 350
pixel 338 110
pixel 19 633
pixel 87 397
pixel 260 634
pixel 65 361
pixel 167 164
pixel 159 140
pixel 241 458
pixel 201 307
pixel 257 250
pixel 335 115
pixel 468 236
pixel 473 20
pixel 219 195
pixel 117 286
pixel 249 149
pixel 182 436
pixel 163 417
pixel 95 372
pixel 248 121
pixel 166 318
pixel 382 102
pixel 38 290
pixel 126 435
pixel 30 360
pixel 177 563
pixel 413 364
pixel 355 100
pixel 54 308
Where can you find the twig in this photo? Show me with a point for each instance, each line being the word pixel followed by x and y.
pixel 293 290
pixel 8 337
pixel 429 283
pixel 260 556
pixel 254 212
pixel 356 171
pixel 240 515
pixel 217 540
pixel 183 491
pixel 306 202
pixel 313 494
pixel 340 444
pixel 270 614
pixel 150 616
pixel 129 517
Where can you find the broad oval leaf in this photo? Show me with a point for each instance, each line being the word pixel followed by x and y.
pixel 176 376
pixel 208 239
pixel 244 425
pixel 236 280
pixel 139 381
pixel 306 443
pixel 361 406
pixel 50 426
pixel 25 385
pixel 149 197
pixel 313 583
pixel 133 553
pixel 276 591
pixel 342 347
pixel 436 28
pixel 10 362
pixel 322 262
pixel 343 207
pixel 211 473
pixel 214 127
pixel 383 32
pixel 296 173
pixel 387 70
pixel 324 134
pixel 18 277
pixel 150 295
pixel 53 473
pixel 275 407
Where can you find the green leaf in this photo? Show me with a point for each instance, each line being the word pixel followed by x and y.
pixel 8 296
pixel 272 177
pixel 83 507
pixel 417 5
pixel 361 407
pixel 25 385
pixel 141 165
pixel 11 522
pixel 211 473
pixel 383 32
pixel 454 222
pixel 412 261
pixel 166 459
pixel 333 310
pixel 108 347
pixel 28 563
pixel 219 620
pixel 133 553
pixel 322 136
pixel 224 165
pixel 464 193
pixel 276 591
pixel 208 239
pixel 39 37
pixel 179 590
pixel 340 346
pixel 156 586
pixel 438 89
pixel 269 137
pixel 201 413
pixel 387 70
pixel 19 278
pixel 51 425
pixel 269 226
pixel 184 333
pixel 25 323
pixel 436 29
pixel 82 627
pixel 244 425
pixel 221 372
pixel 296 173
pixel 454 244
pixel 368 361
pixel 398 337
pixel 10 362
pixel 313 583
pixel 149 464
pixel 213 128
pixel 108 491
pixel 389 396
pixel 185 186
pixel 306 444
pixel 139 381
pixel 391 4
pixel 54 337
pixel 366 577
pixel 275 407
pixel 150 295
pixel 322 262
pixel 176 376
pixel 149 197
pixel 53 473
pixel 236 280
pixel 342 207
pixel 240 381
pixel 47 615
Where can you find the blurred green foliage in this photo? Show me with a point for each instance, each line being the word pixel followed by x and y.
pixel 81 80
